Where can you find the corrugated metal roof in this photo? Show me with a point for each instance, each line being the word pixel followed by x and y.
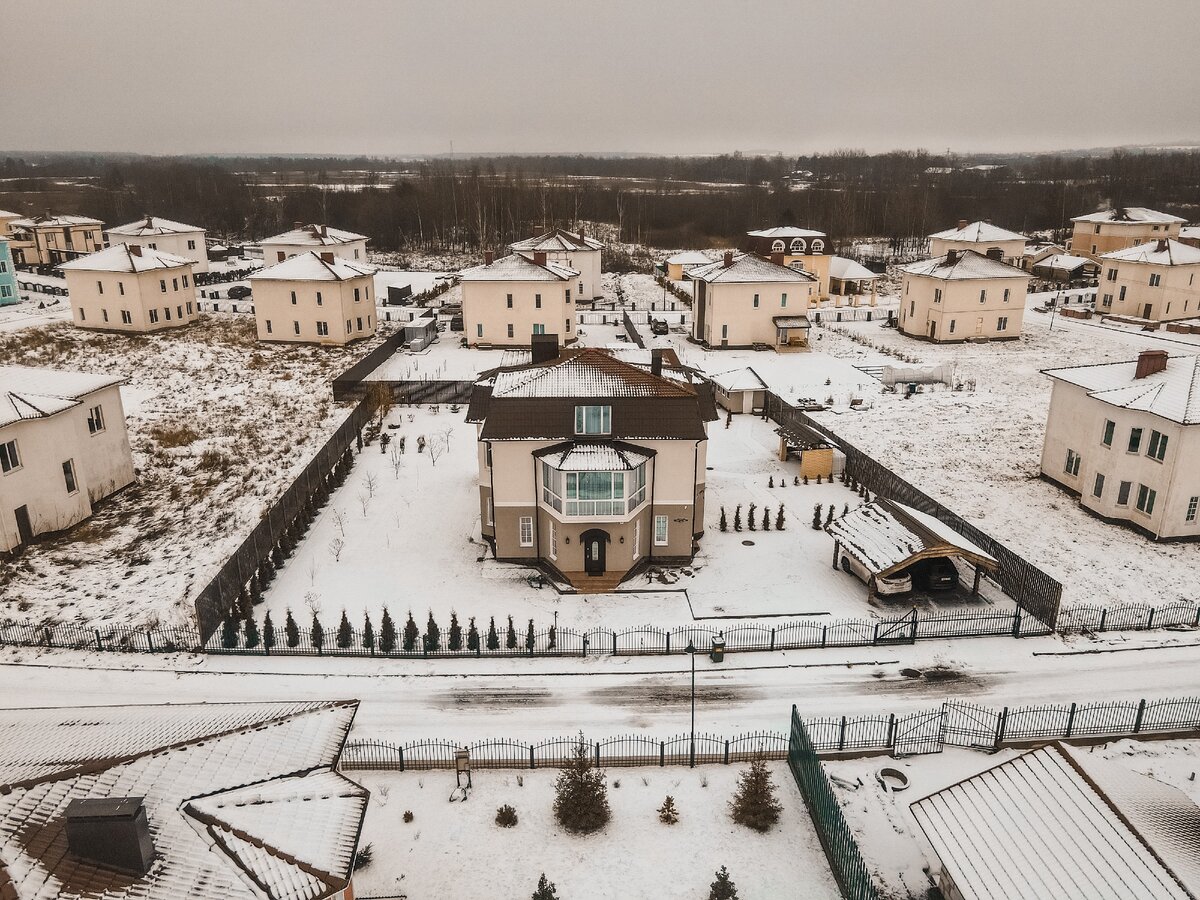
pixel 979 232
pixel 968 264
pixel 786 231
pixel 1129 215
pixel 1063 261
pixel 310 267
pixel 689 257
pixel 120 258
pixel 518 267
pixel 152 225
pixel 744 379
pixel 558 240
pixel 849 270
pixel 1172 253
pixel 33 393
pixel 584 456
pixel 586 373
pixel 1173 393
pixel 749 269
pixel 316 235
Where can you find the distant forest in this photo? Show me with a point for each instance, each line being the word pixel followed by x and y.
pixel 443 204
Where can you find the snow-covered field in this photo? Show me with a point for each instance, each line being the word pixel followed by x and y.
pixel 219 426
pixel 457 850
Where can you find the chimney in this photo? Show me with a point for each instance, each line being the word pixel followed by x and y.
pixel 149 220
pixel 135 249
pixel 544 347
pixel 324 231
pixel 1162 245
pixel 777 258
pixel 488 257
pixel 962 223
pixel 656 362
pixel 297 225
pixel 727 261
pixel 582 235
pixel 533 230
pixel 951 257
pixel 326 256
pixel 995 253
pixel 539 257
pixel 112 832
pixel 1150 362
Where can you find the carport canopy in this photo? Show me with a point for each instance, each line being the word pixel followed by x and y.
pixel 888 537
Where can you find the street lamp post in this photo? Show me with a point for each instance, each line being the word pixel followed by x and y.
pixel 691 649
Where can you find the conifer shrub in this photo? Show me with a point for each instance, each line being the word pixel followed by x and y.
pixel 580 794
pixel 754 804
pixel 506 816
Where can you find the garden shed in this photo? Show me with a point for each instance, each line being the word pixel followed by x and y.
pixel 888 537
pixel 740 390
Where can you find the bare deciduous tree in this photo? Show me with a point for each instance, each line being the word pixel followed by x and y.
pixel 370 483
pixel 436 446
pixel 364 501
pixel 336 546
pixel 339 519
pixel 396 459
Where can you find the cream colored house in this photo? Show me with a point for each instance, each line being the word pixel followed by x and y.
pixel 590 466
pixel 314 298
pixel 507 300
pixel 6 220
pixel 131 288
pixel 982 237
pixel 319 238
pixel 740 390
pixel 851 282
pixel 1188 234
pixel 570 251
pixel 1159 281
pixel 63 448
pixel 748 301
pixel 1125 438
pixel 679 264
pixel 962 296
pixel 1035 252
pixel 1116 229
pixel 163 234
pixel 49 240
pixel 802 248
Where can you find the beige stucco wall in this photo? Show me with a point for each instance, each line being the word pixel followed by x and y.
pixel 103 464
pixel 5 220
pixel 732 320
pixel 961 306
pixel 349 319
pixel 1176 297
pixel 1086 240
pixel 485 306
pixel 98 298
pixel 175 244
pixel 355 251
pixel 1011 251
pixel 587 263
pixel 1076 422
pixel 78 240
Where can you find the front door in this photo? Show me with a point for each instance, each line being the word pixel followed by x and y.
pixel 1146 312
pixel 933 330
pixel 595 546
pixel 24 526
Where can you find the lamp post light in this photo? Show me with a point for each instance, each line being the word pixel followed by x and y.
pixel 691 651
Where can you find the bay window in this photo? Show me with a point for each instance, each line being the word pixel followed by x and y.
pixel 593 493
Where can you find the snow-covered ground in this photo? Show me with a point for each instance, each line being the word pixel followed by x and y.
pixel 457 850
pixel 34 309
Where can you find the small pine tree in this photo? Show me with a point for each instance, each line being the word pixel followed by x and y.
pixel 255 590
pixel 754 804
pixel 819 479
pixel 751 521
pixel 245 609
pixel 766 523
pixel 510 641
pixel 829 515
pixel 291 631
pixel 545 889
pixel 368 641
pixel 230 632
pixel 387 632
pixel 250 632
pixel 433 635
pixel 317 633
pixel 472 636
pixel 493 639
pixel 771 482
pixel 454 639
pixel 411 633
pixel 779 522
pixel 817 517
pixel 552 637
pixel 268 633
pixel 796 480
pixel 506 816
pixel 529 638
pixel 866 496
pixel 580 794
pixel 722 888
pixel 724 524
pixel 667 813
pixel 737 518
pixel 345 635
pixel 846 510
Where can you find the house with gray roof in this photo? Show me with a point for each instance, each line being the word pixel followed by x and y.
pixel 157 233
pixel 1158 281
pixel 1101 232
pixel 508 301
pixel 749 301
pixel 576 251
pixel 963 296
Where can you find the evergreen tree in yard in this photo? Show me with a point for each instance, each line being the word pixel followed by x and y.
pixel 667 813
pixel 368 632
pixel 387 632
pixel 472 636
pixel 552 637
pixel 493 639
pixel 806 479
pixel 580 794
pixel 817 517
pixel 291 631
pixel 754 804
pixel 750 519
pixel 245 608
pixel 318 633
pixel 779 519
pixel 510 642
pixel 829 515
pixel 545 889
pixel 345 636
pixel 724 524
pixel 766 525
pixel 433 635
pixel 722 888
pixel 410 634
pixel 454 642
pixel 251 633
pixel 771 482
pixel 846 510
pixel 268 633
pixel 229 632
pixel 529 638
pixel 737 518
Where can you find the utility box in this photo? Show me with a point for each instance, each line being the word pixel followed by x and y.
pixel 718 649
pixel 112 831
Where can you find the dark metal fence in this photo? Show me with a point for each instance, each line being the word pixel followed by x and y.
pixel 631 331
pixel 1035 591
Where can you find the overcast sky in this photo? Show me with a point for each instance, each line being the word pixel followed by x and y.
pixel 385 77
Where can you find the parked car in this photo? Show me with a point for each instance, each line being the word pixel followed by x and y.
pixel 937 574
pixel 658 326
pixel 889 586
pixel 239 292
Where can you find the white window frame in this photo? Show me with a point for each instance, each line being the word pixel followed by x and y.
pixel 665 538
pixel 96 419
pixel 553 540
pixel 581 419
pixel 525 531
pixel 70 477
pixel 1190 515
pixel 10 457
pixel 1157 448
pixel 637 539
pixel 1146 496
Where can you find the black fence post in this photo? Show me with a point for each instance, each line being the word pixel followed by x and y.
pixel 149 641
pixel 1001 727
pixel 891 738
pixel 842 735
pixel 727 753
pixel 772 638
pixel 1103 618
pixel 1137 723
pixel 597 754
pixel 668 651
pixel 1071 720
pixel 532 761
pixel 400 751
pixel 662 753
pixel 99 642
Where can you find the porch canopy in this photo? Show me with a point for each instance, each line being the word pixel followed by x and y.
pixel 888 537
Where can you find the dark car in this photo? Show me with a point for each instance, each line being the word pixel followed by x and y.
pixel 937 574
pixel 238 292
pixel 658 326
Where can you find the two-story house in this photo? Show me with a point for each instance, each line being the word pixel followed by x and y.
pixel 49 240
pixel 1159 280
pixel 578 252
pixel 131 288
pixel 749 301
pixel 802 248
pixel 319 238
pixel 314 298
pixel 1125 438
pixel 507 300
pixel 8 276
pixel 157 233
pixel 981 237
pixel 589 465
pixel 1116 229
pixel 963 296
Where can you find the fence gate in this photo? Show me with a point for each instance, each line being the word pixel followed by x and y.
pixel 897 631
pixel 919 732
pixel 968 725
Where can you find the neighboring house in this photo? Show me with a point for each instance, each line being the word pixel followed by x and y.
pixel 740 390
pixel 209 801
pixel 163 234
pixel 6 220
pixel 63 448
pixel 314 298
pixel 678 265
pixel 802 247
pixel 1159 281
pixel 131 288
pixel 1125 437
pixel 982 237
pixel 748 301
pixel 962 296
pixel 507 300
pixel 8 276
pixel 49 240
pixel 1116 229
pixel 308 238
pixel 570 251
pixel 1063 268
pixel 1035 252
pixel 1188 234
pixel 851 281
pixel 1062 822
pixel 591 466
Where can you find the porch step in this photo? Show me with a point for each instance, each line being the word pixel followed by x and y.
pixel 595 584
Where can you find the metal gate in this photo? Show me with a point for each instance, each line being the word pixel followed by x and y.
pixel 897 631
pixel 968 725
pixel 920 732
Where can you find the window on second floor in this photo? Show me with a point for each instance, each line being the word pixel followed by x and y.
pixel 1072 466
pixel 1135 440
pixel 1145 499
pixel 95 419
pixel 1158 446
pixel 1155 280
pixel 1109 428
pixel 593 420
pixel 9 457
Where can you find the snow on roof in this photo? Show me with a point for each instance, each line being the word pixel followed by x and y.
pixel 1040 827
pixel 849 270
pixel 1064 261
pixel 979 232
pixel 749 269
pixel 121 258
pixel 744 379
pixel 1187 231
pixel 688 257
pixel 310 266
pixel 786 231
pixel 518 267
pixel 1159 253
pixel 791 321
pixel 54 221
pixel 315 235
pixel 150 225
pixel 968 264
pixel 242 799
pixel 588 372
pixel 1036 247
pixel 557 240
pixel 32 393
pixel 1129 215
pixel 578 456
pixel 1173 393
pixel 886 537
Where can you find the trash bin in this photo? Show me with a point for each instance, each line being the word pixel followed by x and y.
pixel 718 649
